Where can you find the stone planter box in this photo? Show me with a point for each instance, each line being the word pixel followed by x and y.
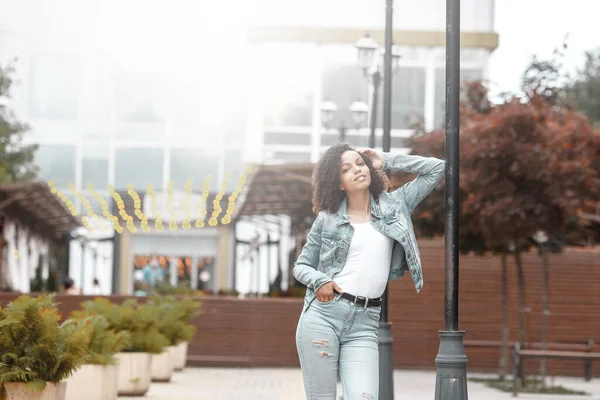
pixel 93 382
pixel 134 373
pixel 162 365
pixel 52 391
pixel 180 356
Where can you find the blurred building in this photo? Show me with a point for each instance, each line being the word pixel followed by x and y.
pixel 128 93
pixel 147 92
pixel 304 53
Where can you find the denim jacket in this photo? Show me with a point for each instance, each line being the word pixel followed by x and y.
pixel 326 248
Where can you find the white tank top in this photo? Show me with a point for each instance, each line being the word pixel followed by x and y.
pixel 367 265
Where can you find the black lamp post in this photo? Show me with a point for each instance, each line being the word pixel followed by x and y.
pixel 367 59
pixel 451 361
pixel 371 65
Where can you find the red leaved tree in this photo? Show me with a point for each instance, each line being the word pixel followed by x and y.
pixel 526 167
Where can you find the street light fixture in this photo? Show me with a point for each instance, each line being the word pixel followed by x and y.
pixel 367 49
pixel 358 111
pixel 328 109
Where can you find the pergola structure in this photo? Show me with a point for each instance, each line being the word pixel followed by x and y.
pixel 34 206
pixel 272 191
pixel 32 219
pixel 279 190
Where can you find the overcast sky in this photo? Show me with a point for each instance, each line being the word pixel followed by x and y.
pixel 529 27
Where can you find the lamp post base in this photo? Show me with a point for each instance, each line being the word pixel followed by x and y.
pixel 451 362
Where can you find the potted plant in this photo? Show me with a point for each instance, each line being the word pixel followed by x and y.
pixel 37 352
pixel 97 379
pixel 187 310
pixel 140 322
pixel 173 316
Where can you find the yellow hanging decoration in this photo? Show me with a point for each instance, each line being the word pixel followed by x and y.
pixel 202 209
pixel 186 204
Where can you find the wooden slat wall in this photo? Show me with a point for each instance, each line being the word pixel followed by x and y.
pixel 252 332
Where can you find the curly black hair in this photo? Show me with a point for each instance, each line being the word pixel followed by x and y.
pixel 327 195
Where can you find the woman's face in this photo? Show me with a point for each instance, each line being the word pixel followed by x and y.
pixel 355 175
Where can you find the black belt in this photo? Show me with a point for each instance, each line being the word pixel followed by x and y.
pixel 362 301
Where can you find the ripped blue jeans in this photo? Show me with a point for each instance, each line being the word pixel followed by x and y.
pixel 339 333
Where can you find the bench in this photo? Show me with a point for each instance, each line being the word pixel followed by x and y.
pixel 576 347
pixel 589 346
pixel 519 355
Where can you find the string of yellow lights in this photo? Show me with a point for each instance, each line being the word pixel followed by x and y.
pixel 63 197
pixel 122 212
pixel 213 221
pixel 158 223
pixel 233 197
pixel 202 205
pixel 172 222
pixel 105 210
pixel 157 220
pixel 186 204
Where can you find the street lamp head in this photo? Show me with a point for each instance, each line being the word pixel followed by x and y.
pixel 328 109
pixel 366 47
pixel 359 111
pixel 396 56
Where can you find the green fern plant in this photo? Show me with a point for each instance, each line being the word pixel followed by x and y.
pixel 174 316
pixel 35 348
pixel 138 320
pixel 104 341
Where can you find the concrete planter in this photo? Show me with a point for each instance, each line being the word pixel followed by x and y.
pixel 93 382
pixel 162 365
pixel 134 373
pixel 180 356
pixel 52 391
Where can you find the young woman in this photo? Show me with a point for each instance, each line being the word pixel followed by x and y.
pixel 362 238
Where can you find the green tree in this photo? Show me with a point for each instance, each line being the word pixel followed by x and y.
pixel 16 158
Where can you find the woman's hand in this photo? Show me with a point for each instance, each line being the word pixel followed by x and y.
pixel 375 156
pixel 325 292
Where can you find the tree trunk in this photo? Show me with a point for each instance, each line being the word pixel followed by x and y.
pixel 521 303
pixel 520 297
pixel 545 308
pixel 503 368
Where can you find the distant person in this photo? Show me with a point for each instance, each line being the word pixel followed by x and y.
pixel 96 289
pixel 362 237
pixel 153 273
pixel 70 288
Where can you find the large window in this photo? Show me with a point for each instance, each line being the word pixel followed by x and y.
pixel 138 166
pixel 54 129
pixel 291 157
pixel 97 104
pixel 55 86
pixel 289 77
pixel 140 103
pixel 57 163
pixel 466 74
pixel 408 98
pixel 94 166
pixel 344 84
pixel 196 165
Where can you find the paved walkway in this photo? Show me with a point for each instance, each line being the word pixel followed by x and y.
pixel 286 384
